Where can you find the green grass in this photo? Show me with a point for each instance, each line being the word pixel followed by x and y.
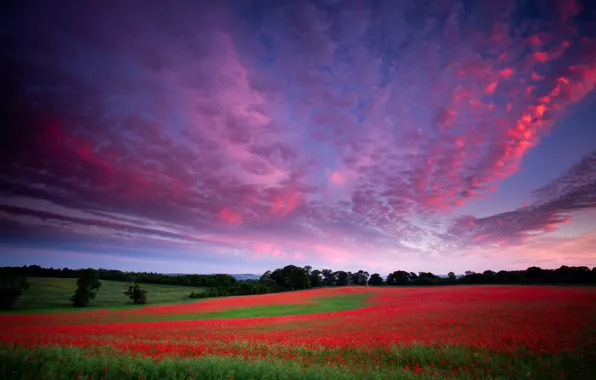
pixel 318 305
pixel 52 295
pixel 55 362
pixel 72 363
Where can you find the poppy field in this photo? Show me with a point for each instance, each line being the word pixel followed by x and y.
pixel 468 332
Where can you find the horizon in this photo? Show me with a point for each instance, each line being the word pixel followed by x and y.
pixel 381 273
pixel 237 137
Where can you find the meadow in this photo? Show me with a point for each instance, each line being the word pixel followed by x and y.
pixel 49 294
pixel 467 332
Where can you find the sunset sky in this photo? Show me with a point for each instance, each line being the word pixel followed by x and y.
pixel 241 136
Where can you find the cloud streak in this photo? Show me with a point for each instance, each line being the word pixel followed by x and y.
pixel 555 204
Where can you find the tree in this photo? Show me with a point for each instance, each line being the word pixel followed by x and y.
pixel 359 278
pixel 278 277
pixel 329 277
pixel 399 277
pixel 316 279
pixel 267 282
pixel 363 277
pixel 246 288
pixel 451 276
pixel 342 278
pixel 296 277
pixel 489 276
pixel 426 278
pixel 266 277
pixel 375 280
pixel 11 288
pixel 352 278
pixel 534 274
pixel 291 277
pixel 136 294
pixel 87 287
pixel 428 275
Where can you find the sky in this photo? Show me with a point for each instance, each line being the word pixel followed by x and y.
pixel 242 136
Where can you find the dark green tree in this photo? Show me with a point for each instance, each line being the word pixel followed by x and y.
pixel 267 282
pixel 343 278
pixel 137 294
pixel 11 288
pixel 353 278
pixel 316 278
pixel 361 278
pixel 427 278
pixel 328 277
pixel 534 272
pixel 266 278
pixel 296 277
pixel 375 280
pixel 291 277
pixel 278 277
pixel 399 277
pixel 246 289
pixel 88 285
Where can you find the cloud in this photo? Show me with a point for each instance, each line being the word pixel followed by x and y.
pixel 298 131
pixel 575 189
pixel 89 225
pixel 554 205
pixel 553 252
pixel 230 217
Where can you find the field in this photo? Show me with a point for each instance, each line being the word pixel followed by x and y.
pixel 468 332
pixel 56 293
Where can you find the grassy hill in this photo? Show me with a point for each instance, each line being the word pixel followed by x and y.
pixel 51 293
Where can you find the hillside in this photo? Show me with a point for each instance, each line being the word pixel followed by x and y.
pixel 242 277
pixel 49 292
pixel 239 277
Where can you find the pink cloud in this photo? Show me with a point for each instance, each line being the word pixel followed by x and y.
pixel 542 56
pixel 285 202
pixel 506 73
pixel 298 256
pixel 336 178
pixel 552 252
pixel 490 89
pixel 230 217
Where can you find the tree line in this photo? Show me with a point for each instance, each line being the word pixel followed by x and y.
pixel 292 277
pixel 13 280
pixel 195 280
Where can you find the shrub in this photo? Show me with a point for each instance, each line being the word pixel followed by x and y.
pixel 137 294
pixel 11 288
pixel 87 286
